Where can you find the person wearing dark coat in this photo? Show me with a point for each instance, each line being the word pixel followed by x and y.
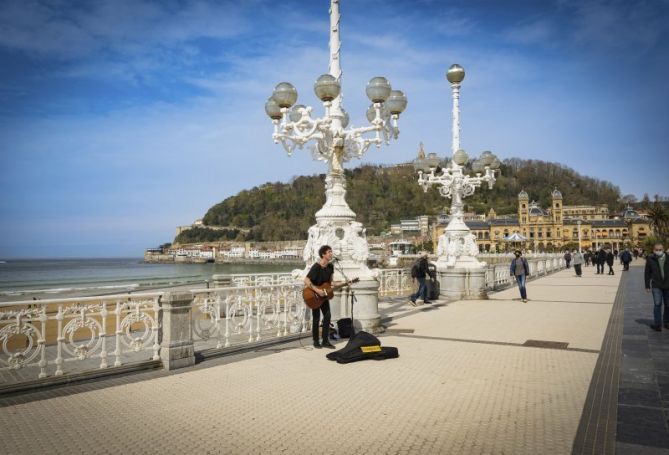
pixel 422 272
pixel 520 269
pixel 626 258
pixel 609 261
pixel 567 258
pixel 600 257
pixel 656 279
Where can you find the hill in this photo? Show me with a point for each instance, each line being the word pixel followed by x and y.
pixel 382 195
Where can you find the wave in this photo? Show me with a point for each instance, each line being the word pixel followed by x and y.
pixel 66 290
pixel 101 289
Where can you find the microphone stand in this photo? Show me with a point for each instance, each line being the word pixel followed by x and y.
pixel 351 292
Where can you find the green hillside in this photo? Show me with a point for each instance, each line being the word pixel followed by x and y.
pixel 382 195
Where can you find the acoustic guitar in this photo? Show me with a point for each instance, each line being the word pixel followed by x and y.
pixel 315 300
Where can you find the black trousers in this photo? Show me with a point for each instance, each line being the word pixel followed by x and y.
pixel 600 267
pixel 577 267
pixel 315 319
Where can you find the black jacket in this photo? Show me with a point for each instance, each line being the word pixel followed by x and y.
pixel 652 275
pixel 609 258
pixel 601 257
pixel 423 268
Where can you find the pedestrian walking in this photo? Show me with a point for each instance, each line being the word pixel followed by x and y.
pixel 578 262
pixel 521 270
pixel 626 258
pixel 567 258
pixel 656 278
pixel 419 272
pixel 601 259
pixel 587 256
pixel 609 261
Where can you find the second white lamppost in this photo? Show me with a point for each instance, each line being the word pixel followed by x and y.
pixel 460 273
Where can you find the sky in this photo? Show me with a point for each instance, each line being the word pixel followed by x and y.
pixel 122 119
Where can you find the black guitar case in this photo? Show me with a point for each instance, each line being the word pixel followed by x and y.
pixel 363 346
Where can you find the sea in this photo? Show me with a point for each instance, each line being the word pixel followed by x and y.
pixel 28 279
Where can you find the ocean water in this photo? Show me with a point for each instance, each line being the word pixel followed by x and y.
pixel 25 279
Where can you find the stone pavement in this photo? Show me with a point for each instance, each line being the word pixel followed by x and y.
pixel 643 394
pixel 469 380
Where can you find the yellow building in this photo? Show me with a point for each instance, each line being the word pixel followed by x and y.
pixel 555 228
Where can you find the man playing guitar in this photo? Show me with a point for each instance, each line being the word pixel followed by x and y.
pixel 321 272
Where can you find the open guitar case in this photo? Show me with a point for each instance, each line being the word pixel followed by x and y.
pixel 363 346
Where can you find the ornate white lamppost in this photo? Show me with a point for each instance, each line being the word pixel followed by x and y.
pixel 334 142
pixel 460 273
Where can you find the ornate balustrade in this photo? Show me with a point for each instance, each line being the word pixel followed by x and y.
pixel 49 336
pixel 256 279
pixel 395 282
pixel 224 314
pixel 498 276
pixel 391 281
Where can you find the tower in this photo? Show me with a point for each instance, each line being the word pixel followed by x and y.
pixel 523 208
pixel 556 198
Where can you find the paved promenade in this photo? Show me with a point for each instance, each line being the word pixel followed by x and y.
pixel 470 380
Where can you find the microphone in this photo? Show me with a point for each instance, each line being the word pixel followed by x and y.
pixel 335 259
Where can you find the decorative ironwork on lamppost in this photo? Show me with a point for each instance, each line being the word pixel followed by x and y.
pixel 457 246
pixel 334 142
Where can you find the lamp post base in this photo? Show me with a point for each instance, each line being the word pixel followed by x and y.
pixel 365 307
pixel 459 283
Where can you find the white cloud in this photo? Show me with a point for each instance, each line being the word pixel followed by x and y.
pixel 128 27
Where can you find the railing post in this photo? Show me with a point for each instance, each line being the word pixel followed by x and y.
pixel 176 346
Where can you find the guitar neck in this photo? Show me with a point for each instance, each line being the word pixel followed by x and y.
pixel 344 284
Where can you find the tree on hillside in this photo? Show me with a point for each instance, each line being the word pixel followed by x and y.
pixel 381 195
pixel 659 216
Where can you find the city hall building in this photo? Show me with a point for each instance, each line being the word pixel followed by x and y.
pixel 554 228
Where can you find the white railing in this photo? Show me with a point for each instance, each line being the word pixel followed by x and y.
pixel 53 335
pixel 391 281
pixel 498 276
pixel 260 279
pixel 395 282
pixel 225 314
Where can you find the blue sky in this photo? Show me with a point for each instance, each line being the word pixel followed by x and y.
pixel 121 119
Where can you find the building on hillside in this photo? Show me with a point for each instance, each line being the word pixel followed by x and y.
pixel 419 226
pixel 554 228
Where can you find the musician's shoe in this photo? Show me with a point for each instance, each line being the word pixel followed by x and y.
pixel 317 345
pixel 426 302
pixel 412 302
pixel 328 345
